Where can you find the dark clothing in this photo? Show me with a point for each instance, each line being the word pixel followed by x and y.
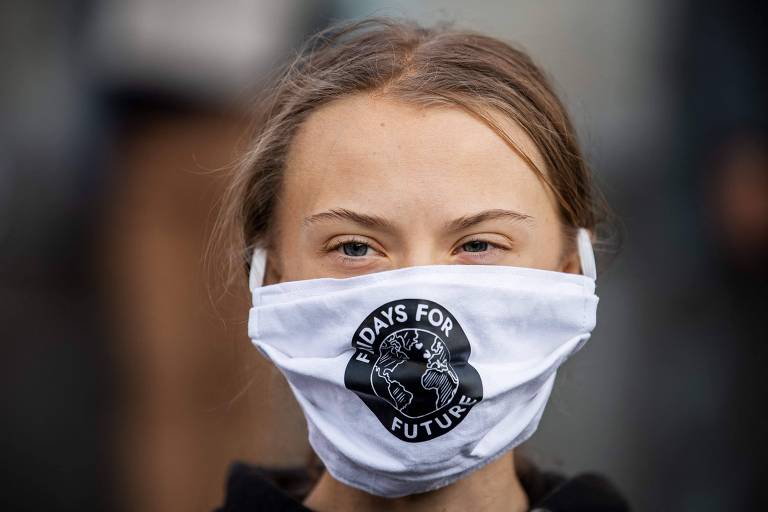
pixel 251 489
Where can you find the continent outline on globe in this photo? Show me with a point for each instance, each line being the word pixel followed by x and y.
pixel 411 368
pixel 438 374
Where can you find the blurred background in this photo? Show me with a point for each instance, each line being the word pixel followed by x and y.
pixel 127 378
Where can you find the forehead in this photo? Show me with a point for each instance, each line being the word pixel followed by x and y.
pixel 379 150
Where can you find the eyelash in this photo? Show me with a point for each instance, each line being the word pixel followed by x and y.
pixel 337 245
pixel 481 255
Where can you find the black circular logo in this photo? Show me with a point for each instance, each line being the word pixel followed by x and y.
pixel 410 367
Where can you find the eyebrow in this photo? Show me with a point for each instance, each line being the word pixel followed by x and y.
pixel 371 221
pixel 374 221
pixel 468 221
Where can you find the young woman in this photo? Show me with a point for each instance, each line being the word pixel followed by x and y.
pixel 417 220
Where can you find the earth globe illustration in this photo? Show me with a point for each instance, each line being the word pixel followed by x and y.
pixel 413 372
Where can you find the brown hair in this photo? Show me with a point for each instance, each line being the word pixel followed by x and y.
pixel 427 66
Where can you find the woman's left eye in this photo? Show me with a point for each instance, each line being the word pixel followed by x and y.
pixel 475 246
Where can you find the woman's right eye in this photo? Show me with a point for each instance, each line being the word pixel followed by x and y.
pixel 355 249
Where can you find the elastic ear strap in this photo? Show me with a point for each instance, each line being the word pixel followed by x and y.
pixel 258 264
pixel 586 254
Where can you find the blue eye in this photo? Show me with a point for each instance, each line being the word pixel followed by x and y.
pixel 354 249
pixel 475 246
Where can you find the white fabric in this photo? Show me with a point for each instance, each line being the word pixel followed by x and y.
pixel 474 347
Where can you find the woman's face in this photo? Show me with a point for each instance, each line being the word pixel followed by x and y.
pixel 372 184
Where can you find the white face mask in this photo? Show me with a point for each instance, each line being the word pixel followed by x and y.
pixel 412 378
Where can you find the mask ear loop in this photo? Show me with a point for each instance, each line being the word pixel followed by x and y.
pixel 258 265
pixel 586 254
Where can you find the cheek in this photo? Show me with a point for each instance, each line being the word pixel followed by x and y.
pixel 546 250
pixel 294 265
pixel 546 242
pixel 296 257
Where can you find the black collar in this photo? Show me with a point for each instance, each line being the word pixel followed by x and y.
pixel 252 488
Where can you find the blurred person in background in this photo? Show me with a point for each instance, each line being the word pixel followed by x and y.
pixel 436 176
